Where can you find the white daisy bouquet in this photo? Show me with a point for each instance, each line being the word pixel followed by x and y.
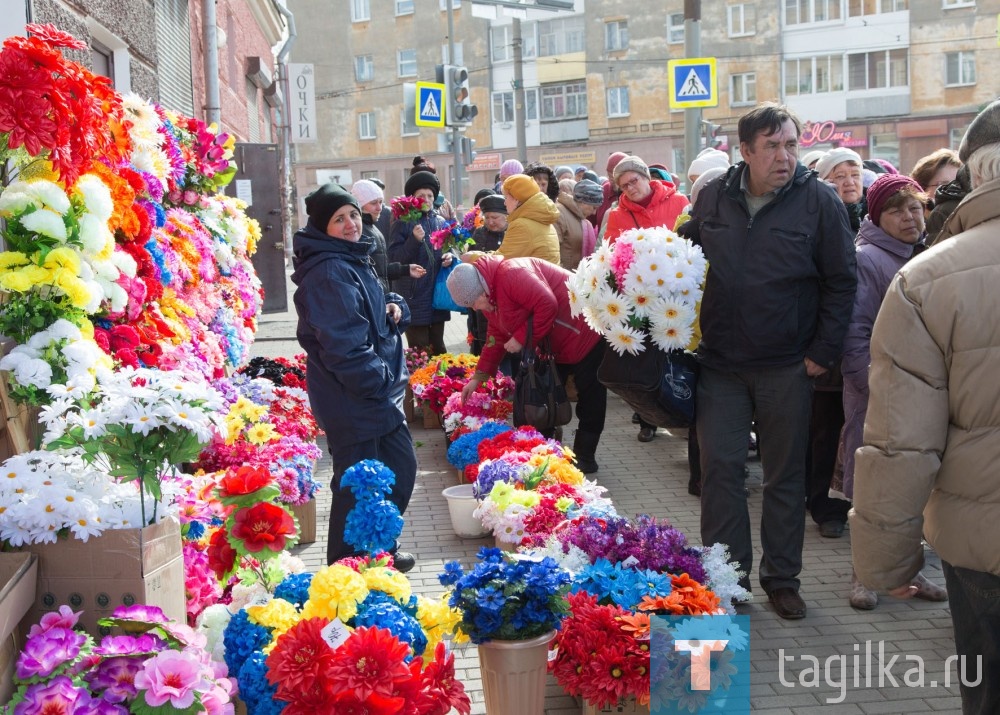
pixel 136 425
pixel 645 284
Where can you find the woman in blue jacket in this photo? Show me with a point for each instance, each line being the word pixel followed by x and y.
pixel 410 243
pixel 356 374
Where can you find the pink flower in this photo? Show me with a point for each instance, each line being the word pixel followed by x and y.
pixel 190 197
pixel 621 260
pixel 171 676
pixel 63 618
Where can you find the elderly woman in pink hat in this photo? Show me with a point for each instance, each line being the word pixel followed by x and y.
pixel 894 225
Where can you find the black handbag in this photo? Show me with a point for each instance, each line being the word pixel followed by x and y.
pixel 659 386
pixel 540 399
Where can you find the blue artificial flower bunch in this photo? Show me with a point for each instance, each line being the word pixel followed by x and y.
pixel 255 690
pixel 242 638
pixel 620 584
pixel 507 597
pixel 295 589
pixel 383 611
pixel 465 450
pixel 374 524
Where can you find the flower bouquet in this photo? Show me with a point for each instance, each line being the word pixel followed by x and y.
pixel 454 237
pixel 156 667
pixel 280 370
pixel 643 291
pixel 492 400
pixel 473 219
pixel 445 375
pixel 408 209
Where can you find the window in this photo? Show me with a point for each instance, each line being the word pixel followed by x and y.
pixel 408 123
pixel 459 55
pixel 675 28
pixel 557 37
pixel 364 68
pixel 616 35
pixel 404 7
pixel 618 102
pixel 798 77
pixel 361 10
pixel 406 63
pixel 369 175
pixel 103 61
pixel 955 137
pixel 960 68
pixel 742 20
pixel 814 75
pixel 743 89
pixel 366 125
pixel 503 107
pixel 253 110
pixel 798 12
pixel 173 50
pixel 858 8
pixel 564 101
pixel 501 43
pixel 958 3
pixel 877 70
pixel 455 4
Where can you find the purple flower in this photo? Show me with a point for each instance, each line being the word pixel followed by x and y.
pixel 490 473
pixel 142 644
pixel 44 653
pixel 56 697
pixel 63 618
pixel 172 676
pixel 100 707
pixel 140 612
pixel 114 678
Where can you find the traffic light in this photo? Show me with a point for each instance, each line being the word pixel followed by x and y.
pixel 459 109
pixel 468 150
pixel 712 138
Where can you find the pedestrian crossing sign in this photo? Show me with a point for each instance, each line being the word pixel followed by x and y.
pixel 693 83
pixel 430 104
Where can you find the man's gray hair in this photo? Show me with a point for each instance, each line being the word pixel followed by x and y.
pixel 984 164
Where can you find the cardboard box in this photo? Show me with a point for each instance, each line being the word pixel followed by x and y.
pixel 306 516
pixel 120 567
pixel 18 574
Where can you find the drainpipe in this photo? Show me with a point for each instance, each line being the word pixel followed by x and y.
pixel 210 35
pixel 285 127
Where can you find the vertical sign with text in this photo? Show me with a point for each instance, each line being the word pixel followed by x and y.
pixel 302 96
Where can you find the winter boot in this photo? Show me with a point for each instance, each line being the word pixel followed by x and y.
pixel 585 446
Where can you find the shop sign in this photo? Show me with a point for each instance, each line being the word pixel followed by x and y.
pixel 554 159
pixel 486 162
pixel 828 133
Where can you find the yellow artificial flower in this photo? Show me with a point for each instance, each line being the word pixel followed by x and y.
pixel 13 259
pixel 261 433
pixel 564 504
pixel 439 620
pixel 15 282
pixel 390 581
pixel 63 257
pixel 253 236
pixel 38 275
pixel 75 289
pixel 335 592
pixel 233 430
pixel 38 169
pixel 277 614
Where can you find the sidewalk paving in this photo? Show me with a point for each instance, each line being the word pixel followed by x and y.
pixel 652 478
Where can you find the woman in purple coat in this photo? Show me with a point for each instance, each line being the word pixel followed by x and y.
pixel 894 225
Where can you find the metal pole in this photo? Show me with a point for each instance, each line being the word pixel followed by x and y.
pixel 692 117
pixel 285 127
pixel 456 141
pixel 213 112
pixel 519 94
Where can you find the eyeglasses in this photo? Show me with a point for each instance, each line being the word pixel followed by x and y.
pixel 630 184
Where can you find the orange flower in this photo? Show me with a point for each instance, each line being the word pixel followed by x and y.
pixel 122 195
pixel 688 598
pixel 637 624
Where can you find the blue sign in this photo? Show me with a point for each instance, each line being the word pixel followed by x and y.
pixel 430 104
pixel 693 83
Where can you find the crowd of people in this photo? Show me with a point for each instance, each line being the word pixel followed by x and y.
pixel 847 324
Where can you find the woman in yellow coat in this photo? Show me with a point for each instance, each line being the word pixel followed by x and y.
pixel 530 218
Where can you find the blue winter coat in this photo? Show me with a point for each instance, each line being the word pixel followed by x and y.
pixel 356 373
pixel 404 248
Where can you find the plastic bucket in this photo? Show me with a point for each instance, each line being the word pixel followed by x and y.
pixel 461 504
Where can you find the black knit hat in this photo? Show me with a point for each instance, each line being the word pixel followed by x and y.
pixel 985 129
pixel 422 180
pixel 493 204
pixel 325 201
pixel 481 194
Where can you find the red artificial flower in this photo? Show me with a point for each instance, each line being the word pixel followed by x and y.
pixel 262 526
pixel 299 665
pixel 439 682
pixel 348 703
pixel 243 481
pixel 221 555
pixel 370 661
pixel 56 38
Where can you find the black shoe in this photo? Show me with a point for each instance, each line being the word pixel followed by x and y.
pixel 403 561
pixel 636 419
pixel 557 434
pixel 831 529
pixel 787 603
pixel 585 465
pixel 694 488
pixel 646 434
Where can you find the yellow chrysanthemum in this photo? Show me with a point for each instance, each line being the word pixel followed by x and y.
pixel 261 433
pixel 563 504
pixel 381 578
pixel 253 236
pixel 13 259
pixel 335 592
pixel 277 614
pixel 38 169
pixel 15 282
pixel 438 621
pixel 63 258
pixel 234 429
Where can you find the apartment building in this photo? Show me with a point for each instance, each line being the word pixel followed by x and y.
pixel 893 79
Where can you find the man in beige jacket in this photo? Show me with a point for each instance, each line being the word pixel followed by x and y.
pixel 930 464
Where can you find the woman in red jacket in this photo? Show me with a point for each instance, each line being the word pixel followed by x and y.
pixel 511 290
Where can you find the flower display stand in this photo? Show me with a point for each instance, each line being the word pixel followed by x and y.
pixel 629 707
pixel 18 575
pixel 305 515
pixel 514 675
pixel 432 420
pixel 408 410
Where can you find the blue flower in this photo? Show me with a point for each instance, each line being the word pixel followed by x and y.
pixel 373 526
pixel 255 691
pixel 382 611
pixel 465 450
pixel 452 572
pixel 490 599
pixel 241 638
pixel 194 530
pixel 295 588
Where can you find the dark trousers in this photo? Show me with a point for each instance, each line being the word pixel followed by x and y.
pixel 694 456
pixel 430 337
pixel 394 450
pixel 727 405
pixel 476 324
pixel 592 399
pixel 825 423
pixel 974 601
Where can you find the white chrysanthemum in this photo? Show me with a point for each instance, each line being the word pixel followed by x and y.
pixel 593 318
pixel 96 196
pixel 670 335
pixel 682 278
pixel 671 309
pixel 575 304
pixel 13 201
pixel 49 193
pixel 641 299
pixel 144 121
pixel 126 264
pixel 95 234
pixel 600 259
pixel 625 339
pixel 33 373
pixel 47 223
pixel 117 297
pixel 153 161
pixel 612 310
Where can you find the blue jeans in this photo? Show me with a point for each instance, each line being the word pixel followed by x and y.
pixel 974 599
pixel 728 403
pixel 394 450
